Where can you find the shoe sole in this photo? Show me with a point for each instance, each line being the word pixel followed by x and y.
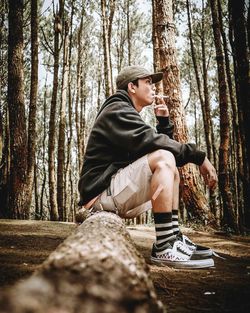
pixel 203 253
pixel 190 264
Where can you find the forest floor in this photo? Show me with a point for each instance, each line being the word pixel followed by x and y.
pixel 24 245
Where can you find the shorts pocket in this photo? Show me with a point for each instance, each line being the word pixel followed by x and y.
pixel 125 194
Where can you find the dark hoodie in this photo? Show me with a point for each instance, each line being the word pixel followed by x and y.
pixel 119 137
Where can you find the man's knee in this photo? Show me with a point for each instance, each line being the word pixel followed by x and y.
pixel 160 159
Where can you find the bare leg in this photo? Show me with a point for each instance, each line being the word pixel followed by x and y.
pixel 176 190
pixel 163 167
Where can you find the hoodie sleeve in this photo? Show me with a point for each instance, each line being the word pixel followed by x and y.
pixel 129 132
pixel 165 126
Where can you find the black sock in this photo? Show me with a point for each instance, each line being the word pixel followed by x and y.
pixel 163 228
pixel 175 222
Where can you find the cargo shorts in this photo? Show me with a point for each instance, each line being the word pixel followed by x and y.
pixel 129 192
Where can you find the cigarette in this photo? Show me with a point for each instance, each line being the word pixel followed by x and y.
pixel 161 96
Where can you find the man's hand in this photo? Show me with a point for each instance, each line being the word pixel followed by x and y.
pixel 160 108
pixel 209 173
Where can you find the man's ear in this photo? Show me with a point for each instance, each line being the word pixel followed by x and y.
pixel 131 87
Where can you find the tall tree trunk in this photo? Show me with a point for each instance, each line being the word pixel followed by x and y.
pixel 79 74
pixel 52 121
pixel 17 120
pixel 32 136
pixel 110 24
pixel 68 172
pixel 191 189
pixel 205 110
pixel 213 194
pixel 62 128
pixel 229 217
pixel 240 46
pixel 42 192
pixel 105 36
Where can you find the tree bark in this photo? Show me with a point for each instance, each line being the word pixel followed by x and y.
pixel 106 50
pixel 32 136
pixel 17 119
pixel 96 270
pixel 69 196
pixel 62 128
pixel 52 121
pixel 79 72
pixel 128 32
pixel 191 189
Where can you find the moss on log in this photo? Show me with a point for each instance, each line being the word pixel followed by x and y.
pixel 96 269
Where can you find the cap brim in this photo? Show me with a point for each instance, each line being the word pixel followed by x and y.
pixel 156 77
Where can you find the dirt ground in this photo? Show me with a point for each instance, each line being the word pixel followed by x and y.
pixel 24 245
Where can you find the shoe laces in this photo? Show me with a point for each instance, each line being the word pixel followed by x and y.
pixel 183 247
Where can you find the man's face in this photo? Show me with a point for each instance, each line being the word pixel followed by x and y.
pixel 145 91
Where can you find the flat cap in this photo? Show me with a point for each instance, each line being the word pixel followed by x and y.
pixel 131 73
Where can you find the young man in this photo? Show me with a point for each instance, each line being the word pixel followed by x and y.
pixel 129 167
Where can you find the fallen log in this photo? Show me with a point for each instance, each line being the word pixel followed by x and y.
pixel 96 269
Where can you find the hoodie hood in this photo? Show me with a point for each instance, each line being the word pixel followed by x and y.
pixel 119 96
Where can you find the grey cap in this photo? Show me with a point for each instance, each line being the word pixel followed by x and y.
pixel 131 73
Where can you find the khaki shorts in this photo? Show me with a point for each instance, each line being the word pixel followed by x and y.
pixel 129 192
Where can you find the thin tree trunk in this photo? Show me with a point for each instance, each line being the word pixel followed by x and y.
pixel 213 194
pixel 52 121
pixel 229 217
pixel 205 109
pixel 36 194
pixel 32 136
pixel 62 128
pixel 44 170
pixel 78 88
pixel 105 36
pixel 192 193
pixel 17 120
pixel 128 32
pixel 68 194
pixel 5 169
pixel 96 270
pixel 110 24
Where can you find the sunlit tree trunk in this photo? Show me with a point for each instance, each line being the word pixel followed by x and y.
pixel 191 189
pixel 229 217
pixel 17 120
